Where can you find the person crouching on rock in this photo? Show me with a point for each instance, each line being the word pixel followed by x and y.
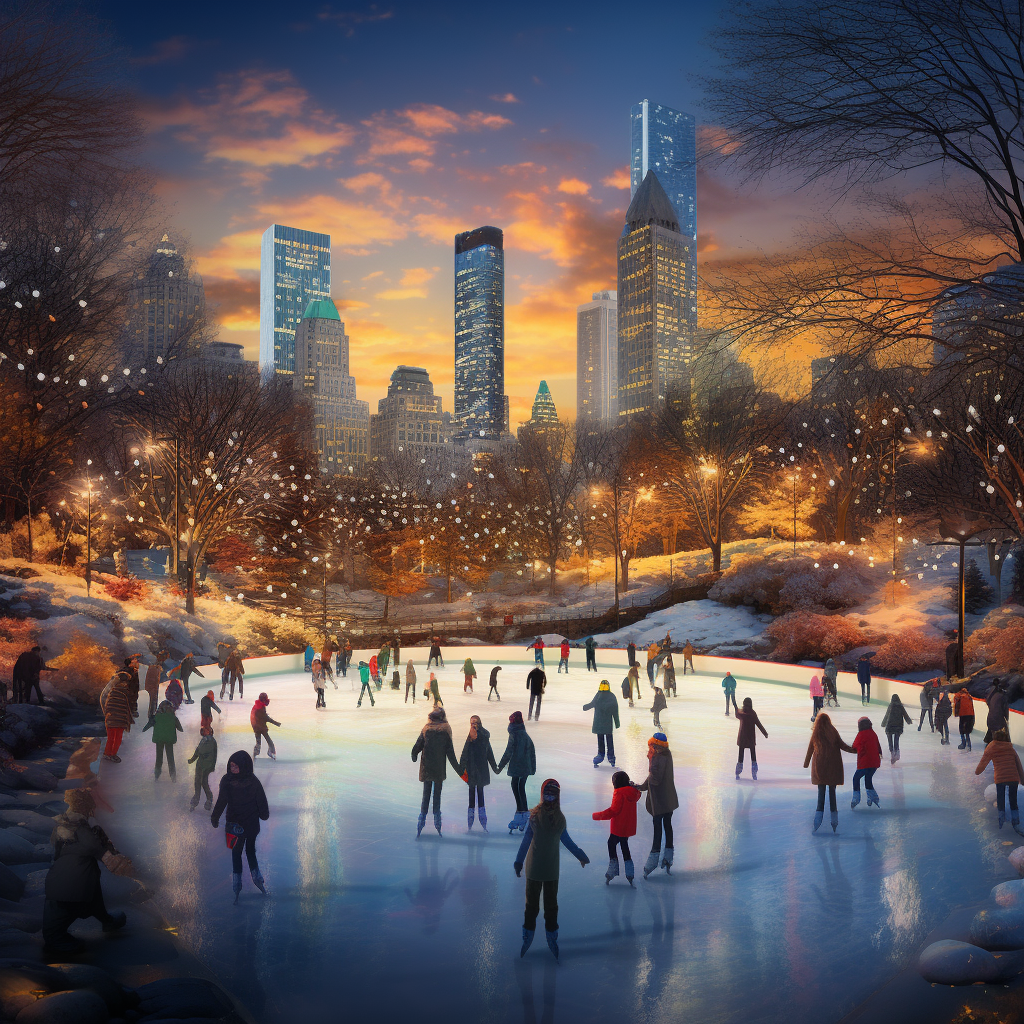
pixel 73 888
pixel 243 803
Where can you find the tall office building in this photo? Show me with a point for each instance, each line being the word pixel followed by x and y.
pixel 479 334
pixel 166 307
pixel 410 416
pixel 655 266
pixel 341 421
pixel 295 269
pixel 597 358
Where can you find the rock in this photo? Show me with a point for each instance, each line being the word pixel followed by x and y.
pixel 949 962
pixel 20 983
pixel 178 998
pixel 990 793
pixel 32 820
pixel 11 886
pixel 76 1007
pixel 1009 894
pixel 14 849
pixel 1016 859
pixel 1000 928
pixel 84 976
pixel 39 777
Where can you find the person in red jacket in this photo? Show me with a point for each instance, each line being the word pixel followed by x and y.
pixel 564 660
pixel 869 759
pixel 258 719
pixel 622 815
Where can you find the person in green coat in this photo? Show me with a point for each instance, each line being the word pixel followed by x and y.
pixel 205 759
pixel 591 654
pixel 521 757
pixel 435 692
pixel 364 678
pixel 606 717
pixel 729 686
pixel 469 671
pixel 165 726
pixel 383 660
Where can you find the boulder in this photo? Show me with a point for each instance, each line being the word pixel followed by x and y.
pixel 990 793
pixel 11 886
pixel 20 984
pixel 14 849
pixel 76 1007
pixel 1016 860
pixel 1009 894
pixel 949 962
pixel 38 777
pixel 32 820
pixel 82 976
pixel 181 998
pixel 999 928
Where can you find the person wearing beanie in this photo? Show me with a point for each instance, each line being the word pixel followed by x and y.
pixel 622 816
pixel 205 759
pixel 243 802
pixel 538 853
pixel 365 686
pixel 469 673
pixel 521 757
pixel 659 705
pixel 259 719
pixel 538 651
pixel 165 726
pixel 434 743
pixel 1009 774
pixel 494 683
pixel 477 755
pixel 206 709
pixel 435 692
pixel 869 760
pixel 746 739
pixel 943 713
pixel 662 800
pixel 892 722
pixel 824 755
pixel 606 718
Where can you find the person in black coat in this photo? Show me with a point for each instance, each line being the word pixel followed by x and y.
pixel 244 805
pixel 536 683
pixel 998 709
pixel 476 756
pixel 26 676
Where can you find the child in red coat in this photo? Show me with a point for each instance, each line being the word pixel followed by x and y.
pixel 869 759
pixel 622 815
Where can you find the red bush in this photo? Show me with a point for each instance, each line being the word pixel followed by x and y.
pixel 802 635
pixel 1000 646
pixel 16 636
pixel 125 588
pixel 910 650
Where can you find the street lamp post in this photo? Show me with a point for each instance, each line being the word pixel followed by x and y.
pixel 88 533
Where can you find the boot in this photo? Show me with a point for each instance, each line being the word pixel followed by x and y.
pixel 1002 817
pixel 420 822
pixel 528 934
pixel 963 743
pixel 611 760
pixel 599 758
pixel 514 823
pixel 470 814
pixel 628 866
pixel 236 885
pixel 666 860
pixel 255 752
pixel 192 803
pixel 753 770
pixel 483 818
pixel 553 942
pixel 1015 822
pixel 835 820
pixel 257 880
pixel 208 805
pixel 437 821
pixel 818 815
pixel 856 798
pixel 524 820
pixel 652 862
pixel 969 743
pixel 739 769
pixel 872 798
pixel 613 870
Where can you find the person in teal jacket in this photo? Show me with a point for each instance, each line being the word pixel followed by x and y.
pixel 165 726
pixel 729 686
pixel 364 678
pixel 308 659
pixel 606 717
pixel 521 757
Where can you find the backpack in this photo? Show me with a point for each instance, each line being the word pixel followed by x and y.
pixel 625 687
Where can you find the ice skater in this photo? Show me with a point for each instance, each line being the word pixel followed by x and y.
pixel 383 659
pixel 344 658
pixel 538 853
pixel 633 676
pixel 631 654
pixel 563 661
pixel 259 720
pixel 998 709
pixel 325 661
pixel 660 787
pixel 688 657
pixel 864 678
pixel 591 654
pixel 494 683
pixel 668 675
pixel 206 709
pixel 943 713
pixel 521 757
pixel 829 675
pixel 927 697
pixel 477 755
pixel 606 718
pixel 869 760
pixel 236 674
pixel 187 669
pixel 652 661
pixel 536 683
pixel 375 670
pixel 963 707
pixel 469 674
pixel 746 738
pixel 165 726
pixel 538 651
pixel 435 654
pixel 729 687
pixel 659 705
pixel 173 691
pixel 817 697
pixel 824 756
pixel 1009 774
pixel 243 803
pixel 319 683
pixel 622 816
pixel 410 681
pixel 892 722
pixel 309 655
pixel 365 684
pixel 434 691
pixel 434 746
pixel 205 759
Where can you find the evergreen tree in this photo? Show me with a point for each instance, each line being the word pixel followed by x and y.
pixel 977 593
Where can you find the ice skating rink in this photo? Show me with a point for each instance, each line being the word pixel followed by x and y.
pixel 760 921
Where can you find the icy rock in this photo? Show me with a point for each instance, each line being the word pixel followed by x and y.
pixel 11 886
pixel 1009 894
pixel 949 962
pixel 990 793
pixel 14 849
pixel 20 983
pixel 1016 860
pixel 38 777
pixel 75 1007
pixel 177 998
pixel 31 820
pixel 84 976
pixel 1000 928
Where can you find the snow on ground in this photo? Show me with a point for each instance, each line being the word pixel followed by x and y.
pixel 394 928
pixel 707 623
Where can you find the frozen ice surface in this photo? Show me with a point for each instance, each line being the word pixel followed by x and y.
pixel 760 920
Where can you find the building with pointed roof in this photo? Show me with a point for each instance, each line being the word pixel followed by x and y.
pixel 656 324
pixel 544 406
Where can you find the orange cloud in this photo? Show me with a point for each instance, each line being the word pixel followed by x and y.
pixel 713 138
pixel 412 286
pixel 505 97
pixel 573 186
pixel 619 178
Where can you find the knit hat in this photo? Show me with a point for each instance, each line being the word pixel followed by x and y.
pixel 659 740
pixel 437 715
pixel 620 779
pixel 209 693
pixel 604 685
pixel 863 723
pixel 264 698
pixel 550 790
pixel 516 718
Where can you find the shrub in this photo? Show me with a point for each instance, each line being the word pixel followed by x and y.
pixel 910 650
pixel 125 588
pixel 802 635
pixel 1000 646
pixel 262 632
pixel 83 668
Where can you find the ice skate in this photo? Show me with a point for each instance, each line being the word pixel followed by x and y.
pixel 835 820
pixel 483 819
pixel 470 814
pixel 514 823
pixel 271 755
pixel 611 760
pixel 420 822
pixel 437 821
pixel 739 769
pixel 753 770
pixel 872 798
pixel 257 880
pixel 1015 822
pixel 612 872
pixel 628 867
pixel 528 934
pixel 255 751
pixel 1002 817
pixel 236 885
pixel 553 942
pixel 208 805
pixel 666 860
pixel 599 759
pixel 818 816
pixel 855 800
pixel 192 804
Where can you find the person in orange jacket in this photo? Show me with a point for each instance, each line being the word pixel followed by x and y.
pixel 622 815
pixel 1009 774
pixel 963 708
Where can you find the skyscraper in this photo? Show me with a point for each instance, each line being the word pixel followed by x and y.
pixel 341 421
pixel 295 268
pixel 166 305
pixel 654 275
pixel 410 416
pixel 479 334
pixel 597 358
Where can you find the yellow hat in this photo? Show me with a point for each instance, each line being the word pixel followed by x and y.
pixel 604 685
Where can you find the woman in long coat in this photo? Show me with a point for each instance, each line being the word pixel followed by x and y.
pixel 434 743
pixel 824 755
pixel 606 717
pixel 660 786
pixel 521 758
pixel 477 755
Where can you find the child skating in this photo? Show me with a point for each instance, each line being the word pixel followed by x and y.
pixel 319 683
pixel 869 760
pixel 165 726
pixel 622 815
pixel 538 853
pixel 494 683
pixel 729 687
pixel 205 759
pixel 469 673
pixel 259 720
pixel 206 709
pixel 365 687
pixel 434 692
pixel 746 738
pixel 659 705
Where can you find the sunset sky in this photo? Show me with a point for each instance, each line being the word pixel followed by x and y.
pixel 392 126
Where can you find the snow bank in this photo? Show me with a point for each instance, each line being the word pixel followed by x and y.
pixel 706 623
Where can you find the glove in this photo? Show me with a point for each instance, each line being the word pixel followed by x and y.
pixel 519 869
pixel 413 758
pixel 465 777
pixel 118 864
pixel 215 822
pixel 584 861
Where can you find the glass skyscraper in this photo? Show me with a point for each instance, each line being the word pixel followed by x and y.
pixel 295 269
pixel 597 358
pixel 479 334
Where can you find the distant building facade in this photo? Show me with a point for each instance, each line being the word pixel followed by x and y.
pixel 717 371
pixel 544 415
pixel 410 417
pixel 341 421
pixel 655 326
pixel 479 334
pixel 295 269
pixel 597 358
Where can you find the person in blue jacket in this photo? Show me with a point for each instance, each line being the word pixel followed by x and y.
pixel 310 655
pixel 521 757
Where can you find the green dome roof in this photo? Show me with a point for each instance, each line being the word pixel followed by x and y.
pixel 321 309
